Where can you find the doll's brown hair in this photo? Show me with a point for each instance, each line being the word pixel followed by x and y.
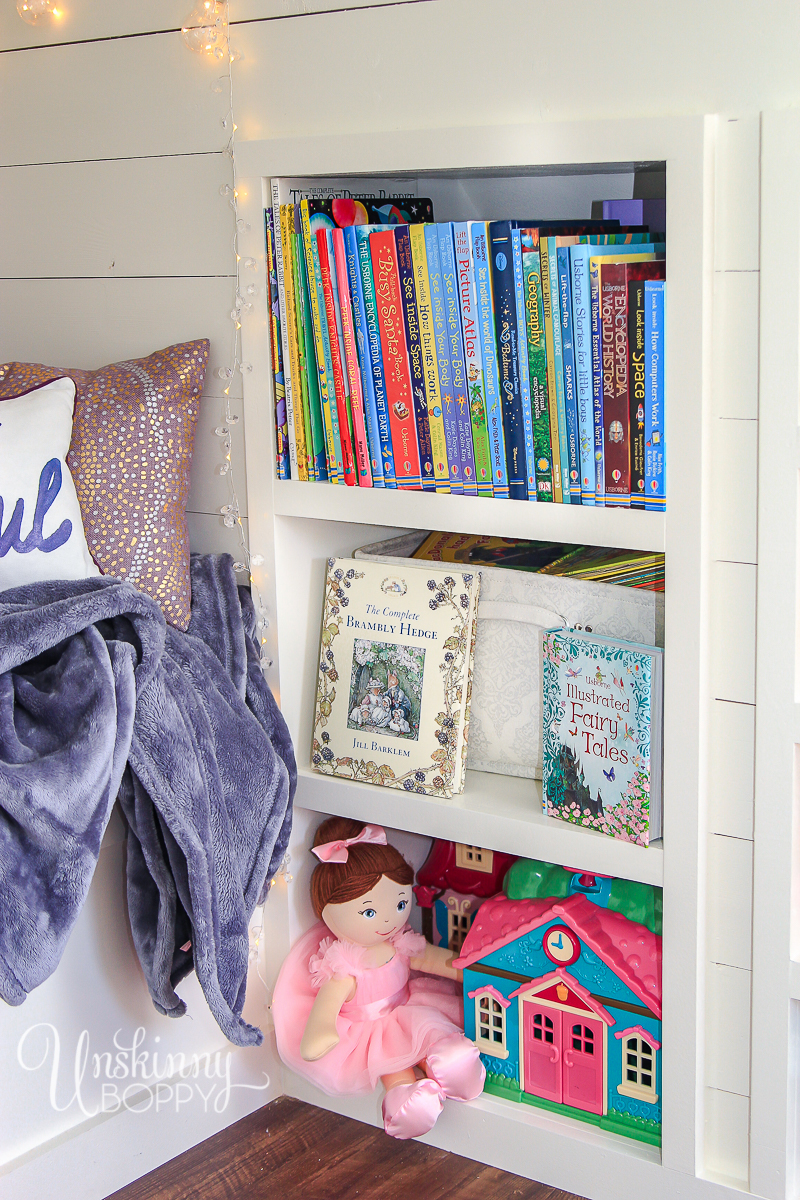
pixel 336 883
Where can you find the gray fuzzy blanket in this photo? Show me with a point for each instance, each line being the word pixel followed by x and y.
pixel 99 697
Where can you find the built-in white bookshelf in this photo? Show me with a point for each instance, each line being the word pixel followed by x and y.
pixel 560 169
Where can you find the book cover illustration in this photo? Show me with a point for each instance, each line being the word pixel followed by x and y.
pixel 392 704
pixel 601 726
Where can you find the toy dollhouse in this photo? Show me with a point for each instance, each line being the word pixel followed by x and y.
pixel 452 883
pixel 562 994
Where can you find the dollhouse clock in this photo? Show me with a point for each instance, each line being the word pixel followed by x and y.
pixel 561 946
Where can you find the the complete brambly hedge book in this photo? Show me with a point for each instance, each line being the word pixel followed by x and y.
pixel 395 674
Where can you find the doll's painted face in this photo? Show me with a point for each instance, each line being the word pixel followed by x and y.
pixel 372 918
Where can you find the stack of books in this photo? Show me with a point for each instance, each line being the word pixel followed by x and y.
pixel 626 568
pixel 509 359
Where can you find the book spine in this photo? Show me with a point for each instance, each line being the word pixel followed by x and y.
pixel 277 209
pixel 348 461
pixel 505 323
pixel 636 377
pixel 330 423
pixel 281 429
pixel 582 341
pixel 312 373
pixel 547 320
pixel 430 366
pixel 524 368
pixel 458 372
pixel 616 401
pixel 473 357
pixel 301 354
pixel 362 347
pixel 655 463
pixel 408 298
pixel 561 408
pixel 395 357
pixel 298 418
pixel 443 360
pixel 570 394
pixel 537 363
pixel 491 375
pixel 375 356
pixel 340 342
pixel 597 382
pixel 351 362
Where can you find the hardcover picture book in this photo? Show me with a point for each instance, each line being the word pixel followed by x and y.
pixel 395 674
pixel 601 730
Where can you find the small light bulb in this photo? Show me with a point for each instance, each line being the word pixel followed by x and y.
pixel 223 469
pixel 251 289
pixel 221 431
pixel 250 264
pixel 232 419
pixel 239 567
pixel 257 560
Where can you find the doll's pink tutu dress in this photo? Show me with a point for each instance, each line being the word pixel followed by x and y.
pixel 392 1022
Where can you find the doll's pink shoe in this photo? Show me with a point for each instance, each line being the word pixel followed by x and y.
pixel 455 1064
pixel 411 1109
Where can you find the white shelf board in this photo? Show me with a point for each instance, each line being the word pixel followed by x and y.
pixel 631 529
pixel 499 811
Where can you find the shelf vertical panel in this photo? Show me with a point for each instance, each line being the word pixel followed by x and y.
pixel 776 671
pixel 690 222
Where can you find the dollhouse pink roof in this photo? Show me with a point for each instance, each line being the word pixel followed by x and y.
pixel 631 951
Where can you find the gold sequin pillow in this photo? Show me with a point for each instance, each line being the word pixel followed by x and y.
pixel 130 454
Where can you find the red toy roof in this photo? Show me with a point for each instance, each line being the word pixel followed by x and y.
pixel 439 871
pixel 631 951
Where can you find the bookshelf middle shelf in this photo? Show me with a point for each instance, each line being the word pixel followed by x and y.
pixel 502 812
pixel 629 529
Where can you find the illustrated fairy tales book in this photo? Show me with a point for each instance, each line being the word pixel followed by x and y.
pixel 395 675
pixel 601 732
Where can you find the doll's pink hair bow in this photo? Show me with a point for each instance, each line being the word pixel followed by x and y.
pixel 337 851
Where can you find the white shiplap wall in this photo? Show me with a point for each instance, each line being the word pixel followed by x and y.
pixel 116 242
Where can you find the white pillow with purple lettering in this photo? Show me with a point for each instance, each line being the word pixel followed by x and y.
pixel 41 532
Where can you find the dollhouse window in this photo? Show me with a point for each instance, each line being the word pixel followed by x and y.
pixel 474 858
pixel 583 1039
pixel 542 1029
pixel 490 1026
pixel 638 1069
pixel 457 929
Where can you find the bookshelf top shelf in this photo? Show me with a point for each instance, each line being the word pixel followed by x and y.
pixel 500 811
pixel 630 529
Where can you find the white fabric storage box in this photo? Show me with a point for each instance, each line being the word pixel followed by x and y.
pixel 505 728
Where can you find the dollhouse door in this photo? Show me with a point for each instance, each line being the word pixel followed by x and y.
pixel 582 1063
pixel 541 1039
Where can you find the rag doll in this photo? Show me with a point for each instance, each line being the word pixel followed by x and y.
pixel 347 1014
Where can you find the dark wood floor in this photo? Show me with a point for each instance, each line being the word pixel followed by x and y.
pixel 293 1151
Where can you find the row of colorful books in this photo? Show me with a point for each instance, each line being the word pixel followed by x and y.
pixel 500 359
